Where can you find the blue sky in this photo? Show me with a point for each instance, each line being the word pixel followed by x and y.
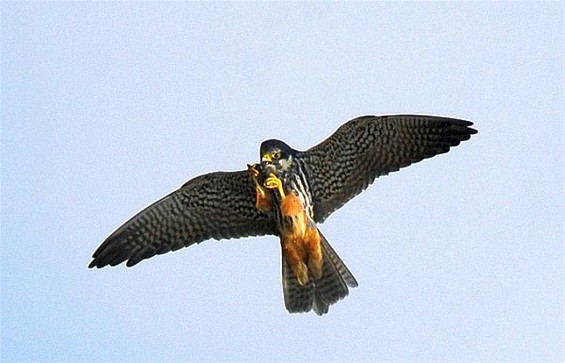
pixel 106 107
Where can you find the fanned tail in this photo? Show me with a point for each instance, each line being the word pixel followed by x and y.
pixel 319 294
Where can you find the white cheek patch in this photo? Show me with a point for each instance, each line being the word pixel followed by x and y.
pixel 285 164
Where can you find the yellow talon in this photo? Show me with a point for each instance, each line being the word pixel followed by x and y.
pixel 274 182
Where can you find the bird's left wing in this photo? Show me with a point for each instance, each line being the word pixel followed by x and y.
pixel 367 147
pixel 216 205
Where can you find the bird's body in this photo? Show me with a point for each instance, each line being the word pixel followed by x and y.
pixel 313 275
pixel 287 194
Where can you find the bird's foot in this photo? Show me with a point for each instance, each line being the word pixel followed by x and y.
pixel 274 182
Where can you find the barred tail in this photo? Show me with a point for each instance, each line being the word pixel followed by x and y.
pixel 319 294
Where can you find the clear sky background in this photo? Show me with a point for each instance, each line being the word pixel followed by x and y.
pixel 106 107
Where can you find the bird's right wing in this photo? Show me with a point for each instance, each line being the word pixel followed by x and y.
pixel 216 205
pixel 366 147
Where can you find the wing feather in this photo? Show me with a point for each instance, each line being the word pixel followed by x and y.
pixel 217 205
pixel 367 147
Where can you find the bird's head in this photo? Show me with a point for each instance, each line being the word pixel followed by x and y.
pixel 276 155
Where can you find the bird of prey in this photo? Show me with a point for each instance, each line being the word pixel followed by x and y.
pixel 287 194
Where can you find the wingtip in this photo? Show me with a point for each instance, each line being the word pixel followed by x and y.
pixel 467 124
pixel 95 263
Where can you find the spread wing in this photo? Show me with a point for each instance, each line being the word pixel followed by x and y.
pixel 367 147
pixel 216 205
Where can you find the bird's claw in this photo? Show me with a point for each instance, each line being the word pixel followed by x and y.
pixel 274 182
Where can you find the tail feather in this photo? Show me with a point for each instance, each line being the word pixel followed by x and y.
pixel 297 298
pixel 319 294
pixel 335 280
pixel 337 263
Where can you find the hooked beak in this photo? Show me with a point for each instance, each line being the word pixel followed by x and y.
pixel 267 164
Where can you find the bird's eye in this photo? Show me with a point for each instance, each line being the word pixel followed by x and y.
pixel 276 155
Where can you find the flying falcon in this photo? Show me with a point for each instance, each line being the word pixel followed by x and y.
pixel 287 194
